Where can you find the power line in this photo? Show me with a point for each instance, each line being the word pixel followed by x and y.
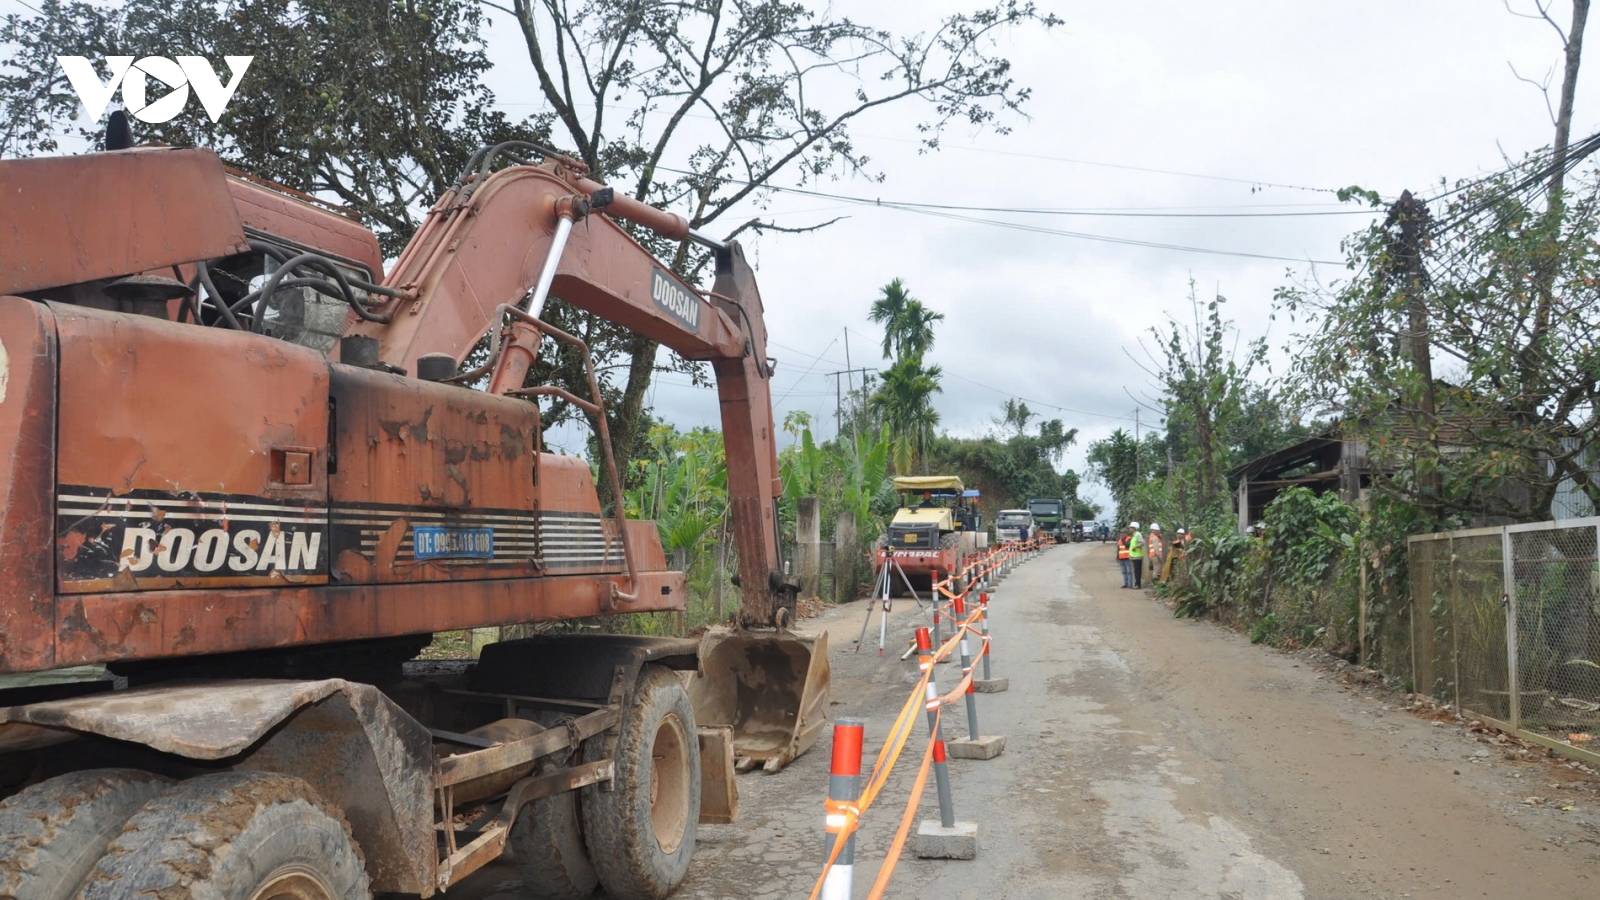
pixel 1131 242
pixel 29 6
pixel 1253 182
pixel 940 212
pixel 807 371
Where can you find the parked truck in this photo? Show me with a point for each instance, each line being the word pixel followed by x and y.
pixel 1052 516
pixel 1009 524
pixel 251 474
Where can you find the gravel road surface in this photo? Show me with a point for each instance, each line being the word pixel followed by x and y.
pixel 1150 757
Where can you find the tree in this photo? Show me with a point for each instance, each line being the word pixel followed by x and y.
pixel 1122 464
pixel 704 106
pixel 374 105
pixel 907 323
pixel 889 311
pixel 1464 347
pixel 1011 466
pixel 905 402
pixel 1204 388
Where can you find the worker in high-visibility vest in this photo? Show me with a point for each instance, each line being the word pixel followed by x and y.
pixel 1136 554
pixel 1122 557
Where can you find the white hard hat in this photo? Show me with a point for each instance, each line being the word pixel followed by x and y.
pixel 1180 531
pixel 1155 526
pixel 1133 524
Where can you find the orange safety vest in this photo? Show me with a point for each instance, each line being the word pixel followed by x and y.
pixel 1122 547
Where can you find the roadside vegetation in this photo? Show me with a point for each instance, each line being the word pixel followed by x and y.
pixel 1459 352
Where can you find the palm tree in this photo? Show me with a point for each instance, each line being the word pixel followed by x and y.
pixel 905 401
pixel 914 330
pixel 889 310
pixel 907 324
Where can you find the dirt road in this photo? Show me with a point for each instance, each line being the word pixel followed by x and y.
pixel 1150 757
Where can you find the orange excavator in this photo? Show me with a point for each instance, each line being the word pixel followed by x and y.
pixel 246 475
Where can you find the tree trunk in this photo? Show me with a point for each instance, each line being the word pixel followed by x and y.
pixel 1569 88
pixel 629 414
pixel 1545 274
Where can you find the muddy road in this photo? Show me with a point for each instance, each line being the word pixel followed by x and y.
pixel 1149 758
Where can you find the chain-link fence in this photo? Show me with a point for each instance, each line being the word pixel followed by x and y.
pixel 1506 624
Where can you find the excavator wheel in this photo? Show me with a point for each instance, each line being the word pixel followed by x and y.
pixel 641 834
pixel 233 836
pixel 52 833
pixel 547 843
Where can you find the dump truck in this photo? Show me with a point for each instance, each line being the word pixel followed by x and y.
pixel 247 474
pixel 934 526
pixel 1052 516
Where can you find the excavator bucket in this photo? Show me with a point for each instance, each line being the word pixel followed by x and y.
pixel 771 688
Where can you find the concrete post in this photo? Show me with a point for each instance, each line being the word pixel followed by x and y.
pixel 846 558
pixel 808 540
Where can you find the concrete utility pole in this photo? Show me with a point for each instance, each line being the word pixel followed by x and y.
pixel 808 540
pixel 1408 223
pixel 838 399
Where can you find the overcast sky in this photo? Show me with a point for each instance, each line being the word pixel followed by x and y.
pixel 1263 106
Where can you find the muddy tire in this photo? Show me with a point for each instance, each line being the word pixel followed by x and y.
pixel 640 835
pixel 233 836
pixel 53 833
pixel 548 847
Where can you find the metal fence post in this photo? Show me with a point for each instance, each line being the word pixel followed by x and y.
pixel 1508 570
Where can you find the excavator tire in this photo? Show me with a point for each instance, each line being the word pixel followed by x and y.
pixel 52 833
pixel 641 834
pixel 233 836
pixel 547 844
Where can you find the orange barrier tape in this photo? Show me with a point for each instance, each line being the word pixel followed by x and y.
pixel 898 844
pixel 899 734
pixel 888 755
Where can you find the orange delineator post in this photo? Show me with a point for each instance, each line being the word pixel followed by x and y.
pixel 941 768
pixel 844 789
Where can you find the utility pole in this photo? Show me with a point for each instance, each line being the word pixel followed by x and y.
pixel 838 401
pixel 1408 226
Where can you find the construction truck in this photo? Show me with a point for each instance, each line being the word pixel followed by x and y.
pixel 936 523
pixel 1009 524
pixel 247 474
pixel 1052 516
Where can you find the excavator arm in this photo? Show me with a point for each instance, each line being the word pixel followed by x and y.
pixel 494 247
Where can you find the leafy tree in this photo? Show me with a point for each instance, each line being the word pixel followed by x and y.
pixel 907 323
pixel 703 106
pixel 1511 412
pixel 1011 466
pixel 375 105
pixel 1462 347
pixel 1205 387
pixel 1122 464
pixel 889 310
pixel 904 400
